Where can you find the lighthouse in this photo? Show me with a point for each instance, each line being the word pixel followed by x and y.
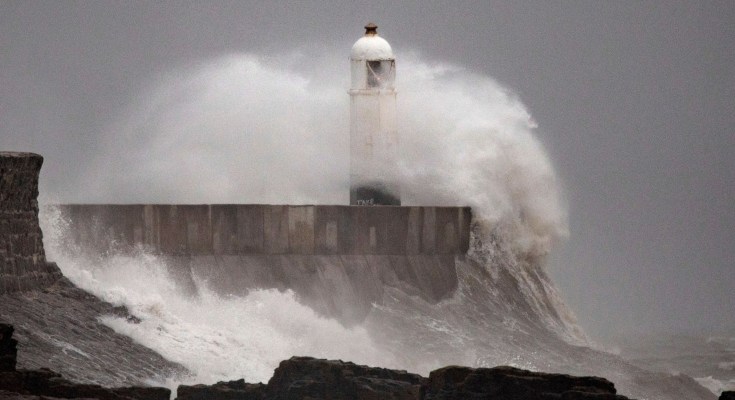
pixel 373 133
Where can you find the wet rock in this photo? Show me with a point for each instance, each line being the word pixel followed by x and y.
pixel 233 390
pixel 8 348
pixel 309 378
pixel 47 383
pixel 5 395
pixel 306 377
pixel 507 383
pixel 27 384
pixel 60 328
pixel 123 312
pixel 727 395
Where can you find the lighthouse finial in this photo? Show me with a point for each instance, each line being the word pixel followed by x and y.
pixel 371 29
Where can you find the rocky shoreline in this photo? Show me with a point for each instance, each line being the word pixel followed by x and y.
pixel 310 378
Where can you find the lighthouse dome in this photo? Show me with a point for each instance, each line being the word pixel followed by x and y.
pixel 371 46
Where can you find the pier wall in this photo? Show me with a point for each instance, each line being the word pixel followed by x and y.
pixel 230 229
pixel 338 260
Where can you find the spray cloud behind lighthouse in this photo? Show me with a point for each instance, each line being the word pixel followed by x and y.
pixel 251 129
pixel 246 128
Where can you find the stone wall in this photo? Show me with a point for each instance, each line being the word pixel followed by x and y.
pixel 23 264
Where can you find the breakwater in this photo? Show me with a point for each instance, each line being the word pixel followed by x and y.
pixel 337 259
pixel 228 229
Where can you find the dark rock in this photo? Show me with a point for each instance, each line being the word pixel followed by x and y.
pixel 123 312
pixel 99 354
pixel 507 383
pixel 306 377
pixel 26 384
pixel 11 381
pixel 8 348
pixel 47 383
pixel 727 395
pixel 233 390
pixel 143 392
pixel 5 395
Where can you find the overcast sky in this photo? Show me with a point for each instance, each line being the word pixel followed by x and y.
pixel 634 102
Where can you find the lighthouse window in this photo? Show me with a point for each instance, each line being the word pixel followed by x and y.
pixel 375 73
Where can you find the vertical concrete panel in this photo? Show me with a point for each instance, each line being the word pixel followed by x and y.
pixel 413 230
pixel 224 229
pixel 165 230
pixel 379 219
pixel 301 230
pixel 250 235
pixel 137 225
pixel 369 229
pixel 150 229
pixel 119 218
pixel 428 231
pixel 128 225
pixel 465 221
pixel 275 227
pixel 332 228
pixel 98 232
pixel 361 225
pixel 106 231
pixel 397 230
pixel 173 229
pixel 331 236
pixel 113 229
pixel 358 231
pixel 198 229
pixel 447 230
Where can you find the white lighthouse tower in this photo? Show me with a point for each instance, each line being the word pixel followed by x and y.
pixel 373 134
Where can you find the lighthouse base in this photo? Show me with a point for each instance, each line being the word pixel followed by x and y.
pixel 376 194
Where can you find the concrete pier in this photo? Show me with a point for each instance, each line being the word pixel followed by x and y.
pixel 336 259
pixel 229 229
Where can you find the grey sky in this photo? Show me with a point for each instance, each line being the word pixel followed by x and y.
pixel 634 102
